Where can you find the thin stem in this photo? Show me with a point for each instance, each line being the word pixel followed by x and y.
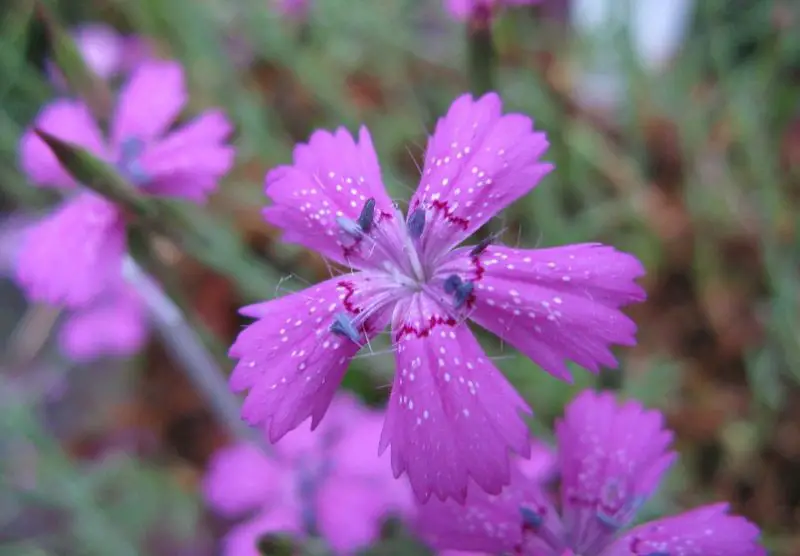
pixel 481 53
pixel 185 345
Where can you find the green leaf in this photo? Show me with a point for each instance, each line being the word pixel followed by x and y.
pixel 97 175
pixel 198 233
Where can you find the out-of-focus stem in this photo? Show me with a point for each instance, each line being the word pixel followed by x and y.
pixel 481 52
pixel 31 333
pixel 185 345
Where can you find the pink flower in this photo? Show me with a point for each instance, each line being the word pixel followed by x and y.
pixel 87 233
pixel 115 324
pixel 293 8
pixel 465 9
pixel 452 415
pixel 611 458
pixel 105 52
pixel 329 481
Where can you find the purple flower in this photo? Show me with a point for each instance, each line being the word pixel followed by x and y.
pixel 452 415
pixel 329 480
pixel 466 9
pixel 86 234
pixel 114 324
pixel 293 8
pixel 611 459
pixel 105 52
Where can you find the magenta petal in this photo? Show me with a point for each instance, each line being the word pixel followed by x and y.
pixel 294 8
pixel 241 478
pixel 612 457
pixel 452 415
pixel 69 121
pixel 290 360
pixel 243 539
pixel 332 176
pixel 478 161
pixel 487 523
pixel 462 9
pixel 149 102
pixel 73 255
pixel 704 531
pixel 114 325
pixel 189 162
pixel 102 49
pixel 558 304
pixel 350 513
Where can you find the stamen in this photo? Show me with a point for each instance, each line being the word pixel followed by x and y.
pixel 342 326
pixel 622 516
pixel 306 491
pixel 452 283
pixel 129 164
pixel 416 223
pixel 481 247
pixel 350 227
pixel 484 244
pixel 530 517
pixel 533 521
pixel 130 148
pixel 463 292
pixel 367 215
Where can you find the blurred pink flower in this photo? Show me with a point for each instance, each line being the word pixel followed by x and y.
pixel 114 324
pixel 329 480
pixel 86 234
pixel 452 415
pixel 293 8
pixel 105 51
pixel 611 458
pixel 465 9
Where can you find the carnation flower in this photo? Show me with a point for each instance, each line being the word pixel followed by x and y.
pixel 114 324
pixel 329 481
pixel 73 255
pixel 106 52
pixel 452 415
pixel 482 9
pixel 611 459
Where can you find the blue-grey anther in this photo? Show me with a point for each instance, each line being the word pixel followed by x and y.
pixel 481 247
pixel 622 516
pixel 367 215
pixel 416 223
pixel 462 293
pixel 129 162
pixel 530 517
pixel 452 283
pixel 350 227
pixel 342 326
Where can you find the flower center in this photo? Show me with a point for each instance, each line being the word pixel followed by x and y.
pixel 129 161
pixel 385 242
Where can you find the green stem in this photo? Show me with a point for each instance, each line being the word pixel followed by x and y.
pixel 481 55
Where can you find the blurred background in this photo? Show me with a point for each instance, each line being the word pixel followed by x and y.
pixel 675 130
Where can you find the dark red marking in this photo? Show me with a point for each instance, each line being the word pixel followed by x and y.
pixel 433 322
pixel 479 271
pixel 350 288
pixel 448 214
pixel 352 249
